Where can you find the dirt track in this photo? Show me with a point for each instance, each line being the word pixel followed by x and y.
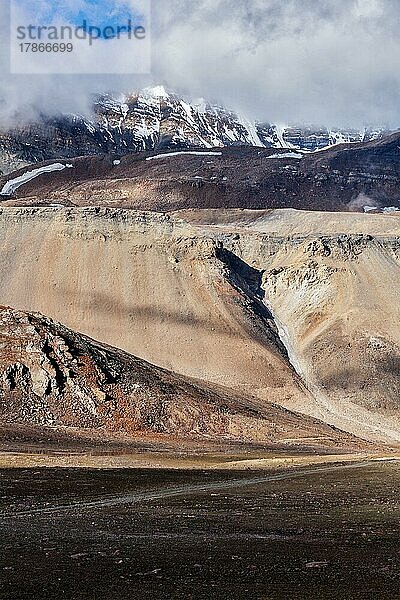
pixel 172 492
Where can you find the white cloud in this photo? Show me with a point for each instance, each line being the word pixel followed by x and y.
pixel 333 61
pixel 326 62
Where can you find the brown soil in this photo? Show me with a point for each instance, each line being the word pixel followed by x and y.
pixel 242 177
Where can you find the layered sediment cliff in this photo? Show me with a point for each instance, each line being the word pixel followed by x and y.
pixel 308 321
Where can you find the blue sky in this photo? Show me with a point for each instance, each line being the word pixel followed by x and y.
pixel 98 13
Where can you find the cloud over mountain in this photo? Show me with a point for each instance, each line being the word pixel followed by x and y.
pixel 334 62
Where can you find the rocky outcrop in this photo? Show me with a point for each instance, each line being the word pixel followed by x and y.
pixel 51 376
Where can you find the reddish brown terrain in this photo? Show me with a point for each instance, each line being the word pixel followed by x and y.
pixel 346 177
pixel 51 376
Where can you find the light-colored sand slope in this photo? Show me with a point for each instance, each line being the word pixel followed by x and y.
pixel 333 285
pixel 143 284
pixel 290 222
pixel 193 298
pixel 339 304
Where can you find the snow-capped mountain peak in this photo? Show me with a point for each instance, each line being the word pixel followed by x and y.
pixel 157 91
pixel 157 118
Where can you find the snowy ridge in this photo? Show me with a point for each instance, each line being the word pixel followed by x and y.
pixel 154 117
pixel 159 119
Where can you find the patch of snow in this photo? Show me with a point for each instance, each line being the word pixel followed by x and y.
pixel 116 163
pixel 89 125
pixel 81 119
pixel 124 109
pixel 252 131
pixel 280 130
pixel 167 154
pixel 12 185
pixel 146 130
pixel 328 147
pixel 107 127
pixel 188 110
pixel 389 209
pixel 287 155
pixel 230 134
pixel 116 104
pixel 191 121
pixel 369 208
pixel 91 128
pixel 200 105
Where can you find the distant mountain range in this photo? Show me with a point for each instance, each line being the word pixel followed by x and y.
pixel 156 119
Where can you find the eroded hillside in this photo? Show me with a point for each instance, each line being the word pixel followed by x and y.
pixel 335 300
pixel 148 284
pixel 306 320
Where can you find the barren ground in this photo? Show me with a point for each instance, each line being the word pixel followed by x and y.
pixel 329 533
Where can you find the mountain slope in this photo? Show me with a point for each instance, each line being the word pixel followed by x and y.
pixel 331 283
pixel 344 178
pixel 290 307
pixel 147 284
